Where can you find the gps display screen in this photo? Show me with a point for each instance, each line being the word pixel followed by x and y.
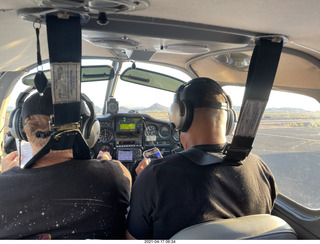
pixel 125 155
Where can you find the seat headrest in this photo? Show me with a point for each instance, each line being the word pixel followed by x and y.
pixel 260 226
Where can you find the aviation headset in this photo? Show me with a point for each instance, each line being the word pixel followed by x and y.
pixel 181 110
pixel 89 124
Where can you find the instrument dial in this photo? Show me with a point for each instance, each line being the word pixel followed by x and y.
pixel 112 106
pixel 107 148
pixel 164 131
pixel 151 130
pixel 106 135
pixel 175 135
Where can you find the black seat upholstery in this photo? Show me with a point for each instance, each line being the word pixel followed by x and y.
pixel 261 226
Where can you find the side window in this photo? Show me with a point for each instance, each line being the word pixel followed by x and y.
pixel 288 140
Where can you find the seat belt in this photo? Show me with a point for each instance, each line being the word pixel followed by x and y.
pixel 64 42
pixel 203 158
pixel 262 71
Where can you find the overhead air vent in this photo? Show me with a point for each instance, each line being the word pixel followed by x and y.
pixel 60 3
pixel 187 48
pixel 117 5
pixel 86 8
pixel 236 61
pixel 113 43
pixel 95 6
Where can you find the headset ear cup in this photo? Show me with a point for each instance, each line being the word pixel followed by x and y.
pixel 87 128
pixel 21 131
pixel 94 133
pixel 90 131
pixel 232 117
pixel 188 117
pixel 16 124
pixel 177 114
pixel 231 122
pixel 13 125
pixel 90 124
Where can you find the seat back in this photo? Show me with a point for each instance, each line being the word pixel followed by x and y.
pixel 260 226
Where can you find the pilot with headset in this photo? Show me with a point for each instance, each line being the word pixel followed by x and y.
pixel 60 197
pixel 186 188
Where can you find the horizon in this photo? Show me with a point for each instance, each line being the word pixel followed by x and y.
pixel 235 107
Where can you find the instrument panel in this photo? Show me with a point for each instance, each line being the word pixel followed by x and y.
pixel 126 136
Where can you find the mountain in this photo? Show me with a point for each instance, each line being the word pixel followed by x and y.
pixel 161 108
pixel 123 109
pixel 286 110
pixel 156 107
pixel 97 109
pixel 281 110
pixel 152 108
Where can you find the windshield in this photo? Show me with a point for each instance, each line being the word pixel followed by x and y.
pixel 139 98
pixel 144 99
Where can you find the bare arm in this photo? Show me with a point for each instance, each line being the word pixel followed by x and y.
pixel 144 163
pixel 9 161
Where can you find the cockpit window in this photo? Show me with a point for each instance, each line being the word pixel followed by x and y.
pixel 142 98
pixel 96 91
pixel 288 140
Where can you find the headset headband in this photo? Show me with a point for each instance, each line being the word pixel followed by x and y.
pixel 205 104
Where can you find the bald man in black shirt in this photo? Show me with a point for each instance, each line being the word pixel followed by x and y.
pixel 173 193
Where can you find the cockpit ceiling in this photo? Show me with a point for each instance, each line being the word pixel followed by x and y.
pixel 299 20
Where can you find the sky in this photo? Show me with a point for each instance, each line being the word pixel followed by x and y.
pixel 277 99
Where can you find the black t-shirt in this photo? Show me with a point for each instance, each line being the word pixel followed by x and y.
pixel 76 199
pixel 173 193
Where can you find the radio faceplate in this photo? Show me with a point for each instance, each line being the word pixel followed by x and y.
pixel 128 124
pixel 129 132
pixel 131 142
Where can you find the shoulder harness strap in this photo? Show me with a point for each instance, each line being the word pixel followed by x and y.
pixel 202 158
